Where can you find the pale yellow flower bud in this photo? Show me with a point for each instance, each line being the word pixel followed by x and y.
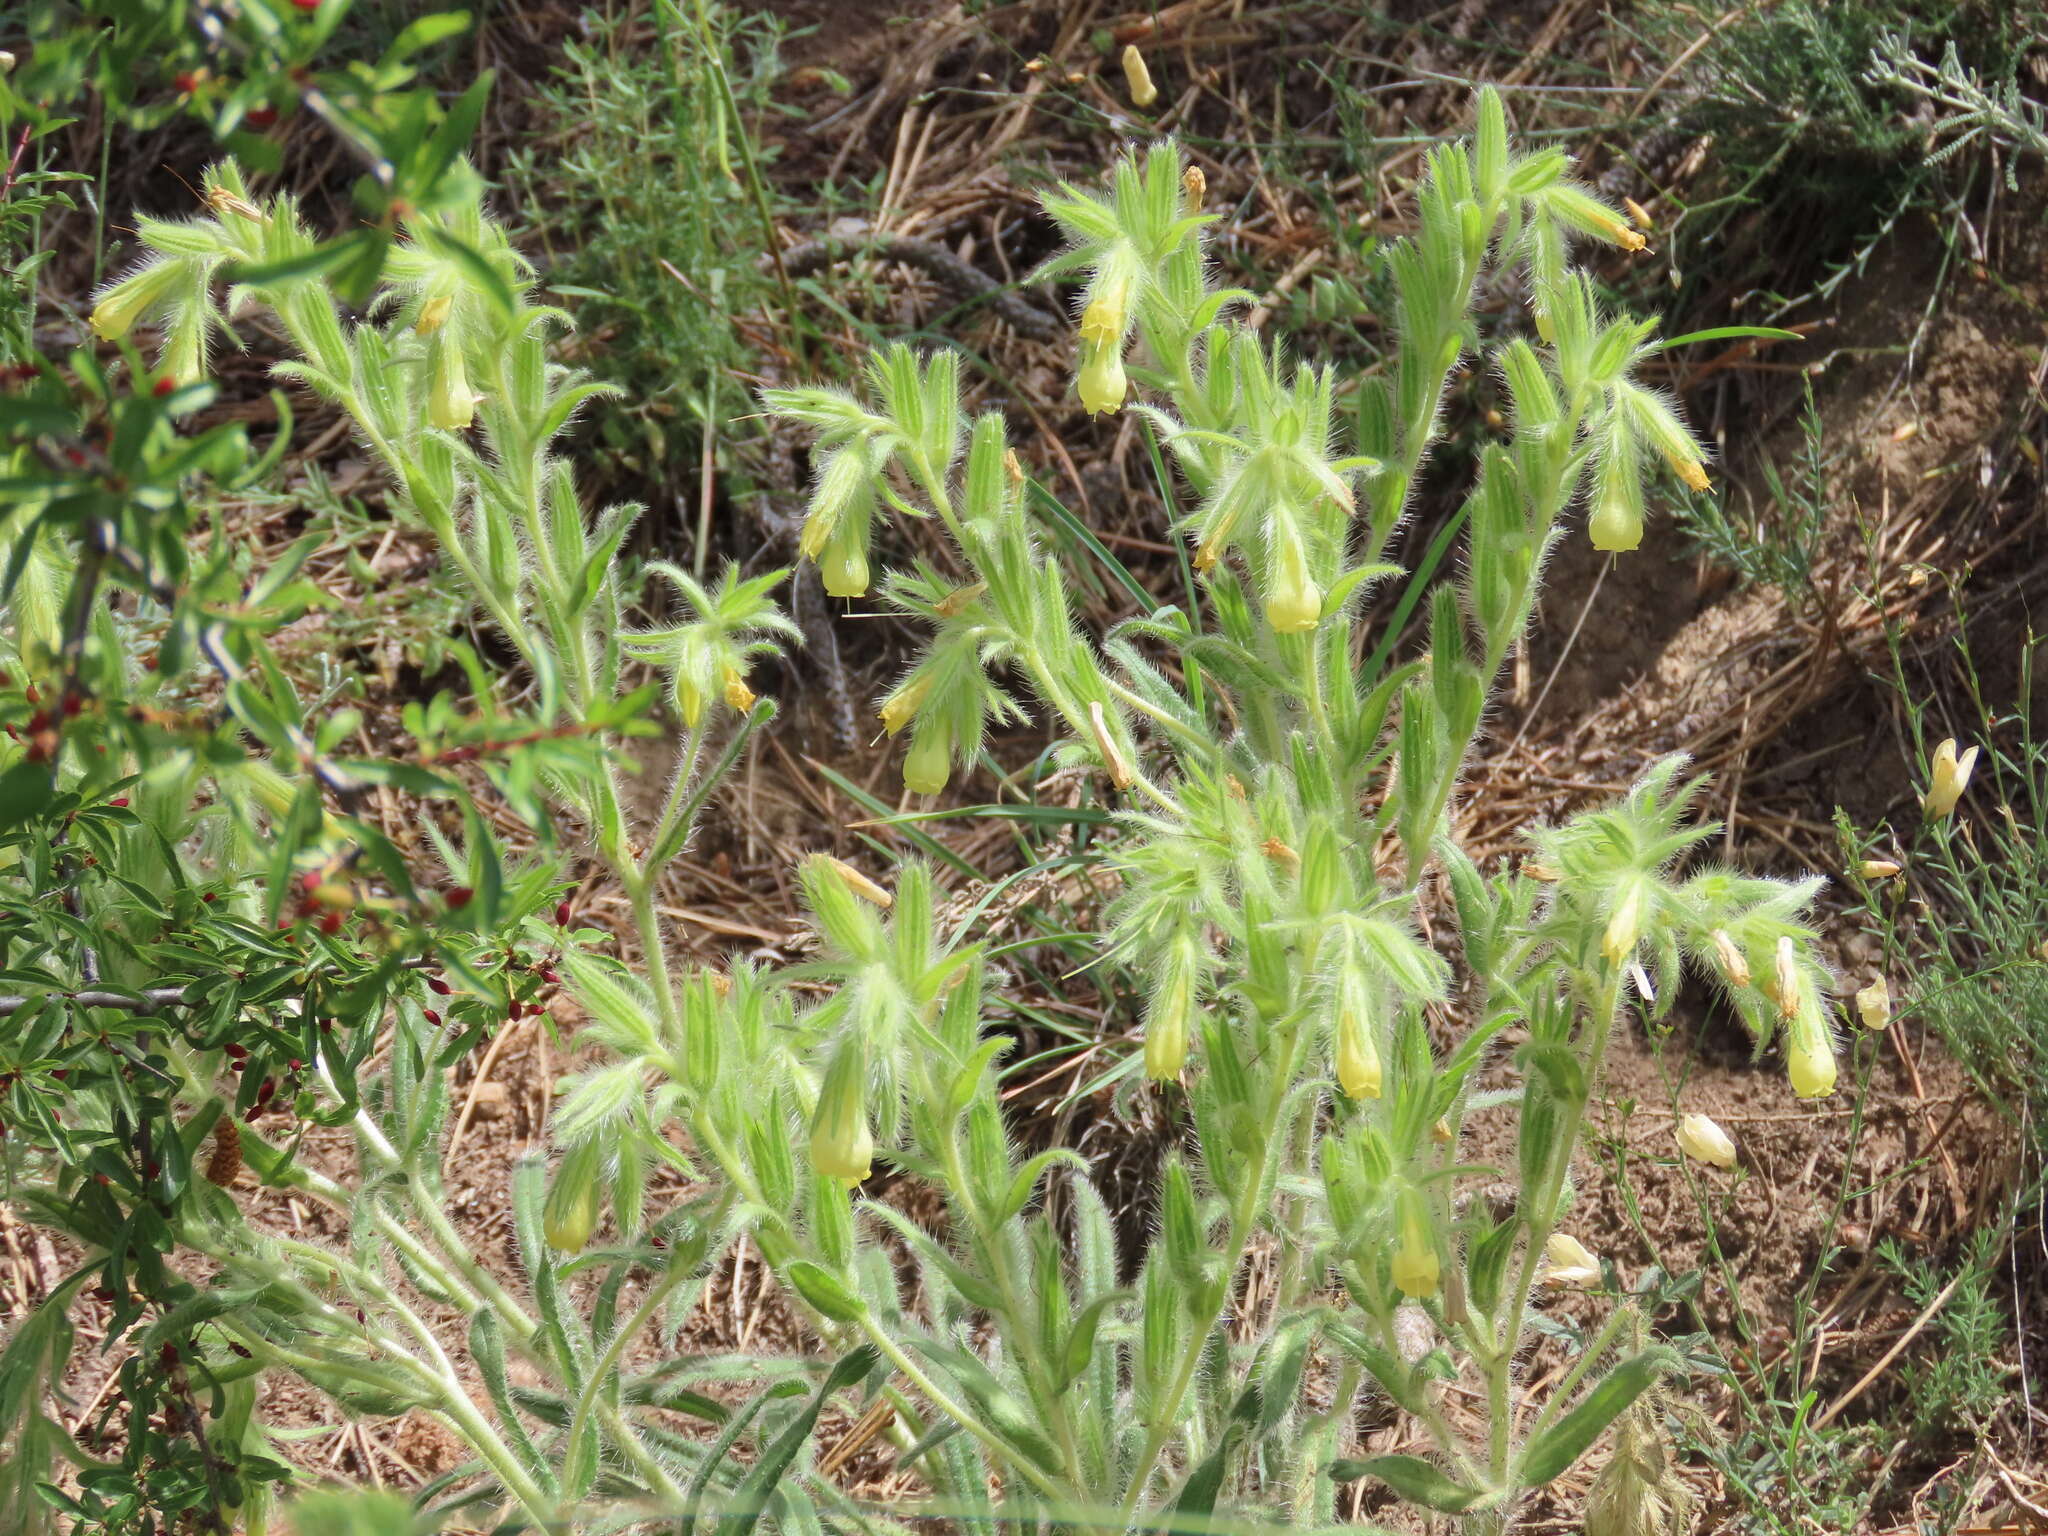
pixel 1877 869
pixel 1196 185
pixel 1625 926
pixel 1734 965
pixel 1570 1261
pixel 1702 1140
pixel 1639 213
pixel 1138 78
pixel 859 883
pixel 1874 1005
pixel 1121 773
pixel 1951 778
pixel 1785 980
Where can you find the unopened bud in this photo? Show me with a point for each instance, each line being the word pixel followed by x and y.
pixel 1639 213
pixel 1121 773
pixel 1785 980
pixel 1138 78
pixel 1877 869
pixel 1734 964
pixel 1624 925
pixel 1874 1005
pixel 901 707
pixel 859 883
pixel 1196 186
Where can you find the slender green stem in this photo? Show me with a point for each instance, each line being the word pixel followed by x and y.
pixel 600 1377
pixel 1244 1212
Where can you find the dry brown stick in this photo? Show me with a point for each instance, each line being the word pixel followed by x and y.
pixel 1884 1361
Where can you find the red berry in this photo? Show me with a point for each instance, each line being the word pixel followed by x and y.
pixel 562 915
pixel 330 922
pixel 102 1180
pixel 163 386
pixel 238 1065
pixel 33 694
pixel 185 81
pixel 168 1355
pixel 297 1064
pixel 206 896
pixel 119 802
pixel 73 704
pixel 234 1051
pixel 261 117
pixel 306 5
pixel 60 1073
pixel 432 1017
pixel 459 898
pixel 39 721
pixel 151 1170
pixel 439 987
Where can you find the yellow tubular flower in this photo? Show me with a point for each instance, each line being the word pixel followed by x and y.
pixel 1951 778
pixel 1702 1140
pixel 1878 869
pixel 901 707
pixel 1810 1058
pixel 928 764
pixel 738 696
pixel 124 304
pixel 1874 1005
pixel 1615 527
pixel 842 1147
pixel 1416 1268
pixel 450 405
pixel 1166 1028
pixel 1295 604
pixel 1102 384
pixel 843 568
pixel 1358 1056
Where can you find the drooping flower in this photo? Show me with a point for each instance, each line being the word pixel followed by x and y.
pixel 1702 1140
pixel 1951 778
pixel 1874 1005
pixel 842 1146
pixel 1570 1261
pixel 1417 1269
